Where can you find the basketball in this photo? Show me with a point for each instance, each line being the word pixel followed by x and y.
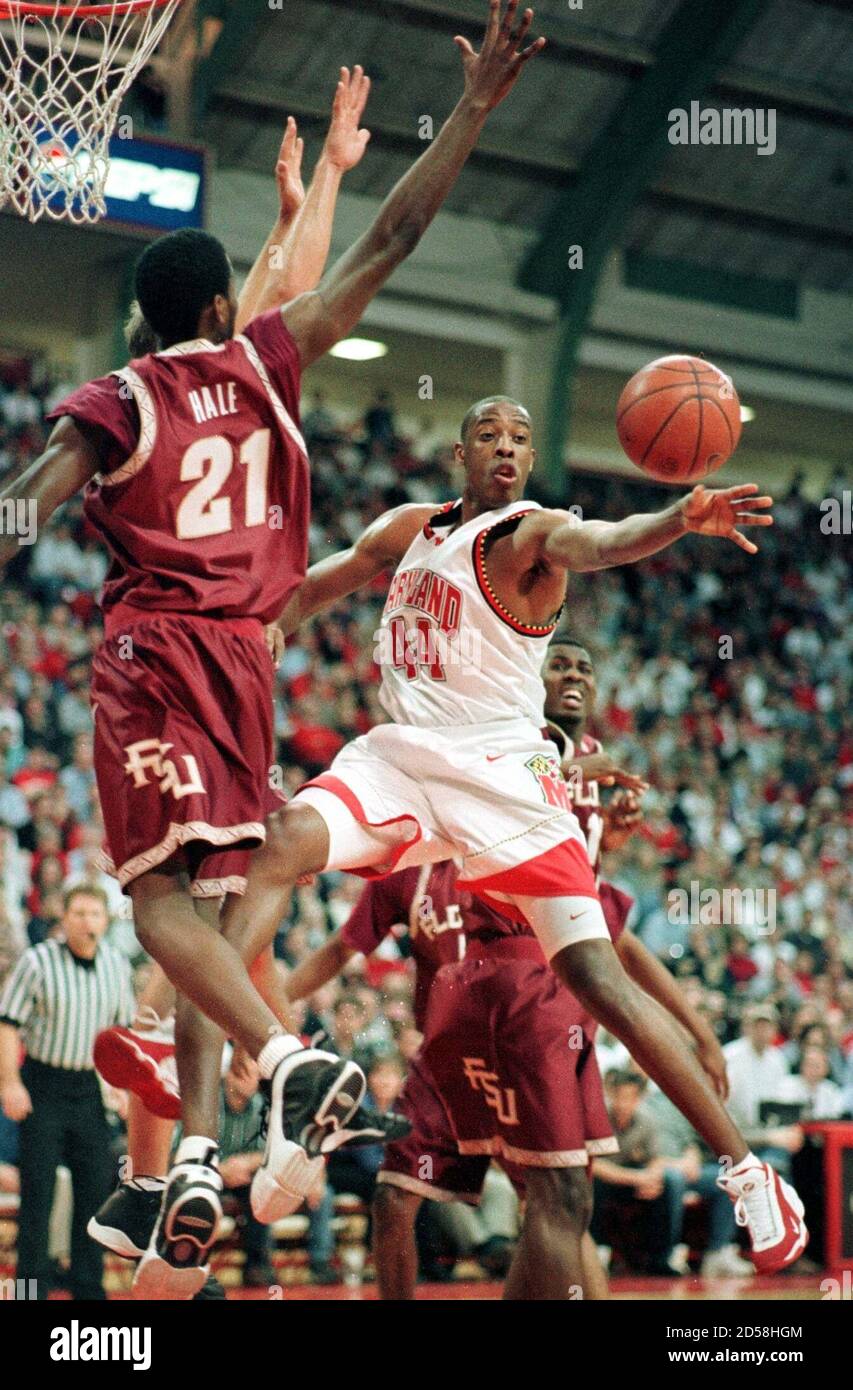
pixel 678 419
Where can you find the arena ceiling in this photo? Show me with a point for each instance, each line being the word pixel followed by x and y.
pixel 785 217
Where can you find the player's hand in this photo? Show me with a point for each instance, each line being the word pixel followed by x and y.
pixel 622 818
pixel 710 1057
pixel 720 513
pixel 493 72
pixel 274 638
pixel 15 1099
pixel 345 143
pixel 288 172
pixel 600 767
pixel 236 1171
pixel 649 1184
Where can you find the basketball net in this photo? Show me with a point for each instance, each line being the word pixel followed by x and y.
pixel 64 72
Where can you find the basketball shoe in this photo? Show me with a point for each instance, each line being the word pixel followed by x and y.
pixel 174 1266
pixel 125 1222
pixel 312 1096
pixel 142 1060
pixel 770 1210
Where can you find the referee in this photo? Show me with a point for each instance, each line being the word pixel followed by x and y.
pixel 58 998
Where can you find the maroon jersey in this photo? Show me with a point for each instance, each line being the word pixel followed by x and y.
pixel 204 493
pixel 438 916
pixel 586 802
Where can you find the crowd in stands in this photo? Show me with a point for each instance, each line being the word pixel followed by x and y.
pixel 724 679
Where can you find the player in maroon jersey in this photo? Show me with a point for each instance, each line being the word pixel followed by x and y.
pixel 196 475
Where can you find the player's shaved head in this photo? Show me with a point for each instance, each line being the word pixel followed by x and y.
pixel 483 407
pixel 177 277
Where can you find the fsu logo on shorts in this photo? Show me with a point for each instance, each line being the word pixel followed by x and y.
pixel 500 1098
pixel 148 756
pixel 551 782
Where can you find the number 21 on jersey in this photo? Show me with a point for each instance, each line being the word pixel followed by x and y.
pixel 208 463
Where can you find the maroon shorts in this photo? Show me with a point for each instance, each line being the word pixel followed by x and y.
pixel 183 741
pixel 506 1071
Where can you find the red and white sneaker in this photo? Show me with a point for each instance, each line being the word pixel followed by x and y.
pixel 772 1213
pixel 142 1061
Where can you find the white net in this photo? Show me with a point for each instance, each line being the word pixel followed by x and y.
pixel 64 72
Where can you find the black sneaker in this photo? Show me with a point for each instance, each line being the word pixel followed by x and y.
pixel 321 1094
pixel 366 1127
pixel 125 1222
pixel 175 1264
pixel 312 1096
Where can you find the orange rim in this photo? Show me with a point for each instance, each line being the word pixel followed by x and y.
pixel 8 8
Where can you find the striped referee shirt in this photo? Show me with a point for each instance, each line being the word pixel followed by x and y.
pixel 60 1002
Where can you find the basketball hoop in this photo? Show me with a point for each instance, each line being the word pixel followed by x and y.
pixel 64 72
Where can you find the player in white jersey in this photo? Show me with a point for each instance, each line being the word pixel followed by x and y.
pixel 465 770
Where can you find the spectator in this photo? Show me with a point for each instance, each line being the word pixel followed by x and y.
pixel 821 1099
pixel 693 1170
pixel 756 1071
pixel 635 1195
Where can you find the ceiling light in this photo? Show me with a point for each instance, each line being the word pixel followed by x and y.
pixel 746 413
pixel 359 350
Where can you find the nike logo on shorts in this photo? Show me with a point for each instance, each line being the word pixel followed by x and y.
pixel 494 757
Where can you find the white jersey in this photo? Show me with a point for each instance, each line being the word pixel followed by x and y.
pixel 450 653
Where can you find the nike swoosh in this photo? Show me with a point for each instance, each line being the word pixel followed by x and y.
pixel 493 758
pixel 575 917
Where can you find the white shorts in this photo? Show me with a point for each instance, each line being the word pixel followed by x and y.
pixel 490 795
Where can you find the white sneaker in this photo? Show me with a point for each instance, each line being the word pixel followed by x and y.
pixel 771 1211
pixel 726 1263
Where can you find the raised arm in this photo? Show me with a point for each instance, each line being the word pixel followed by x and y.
pixel 384 543
pixel 294 255
pixel 553 539
pixel 68 462
pixel 319 320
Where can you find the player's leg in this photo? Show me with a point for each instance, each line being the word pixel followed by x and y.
pixel 592 971
pixel 594 1278
pixel 395 1252
pixel 769 1207
pixel 425 1164
pixel 298 841
pixel 199 962
pixel 548 1262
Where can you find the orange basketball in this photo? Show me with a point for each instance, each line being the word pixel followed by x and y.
pixel 679 419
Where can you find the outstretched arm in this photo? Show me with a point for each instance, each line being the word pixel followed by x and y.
pixel 319 968
pixel 553 539
pixel 384 543
pixel 294 256
pixel 66 465
pixel 319 320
